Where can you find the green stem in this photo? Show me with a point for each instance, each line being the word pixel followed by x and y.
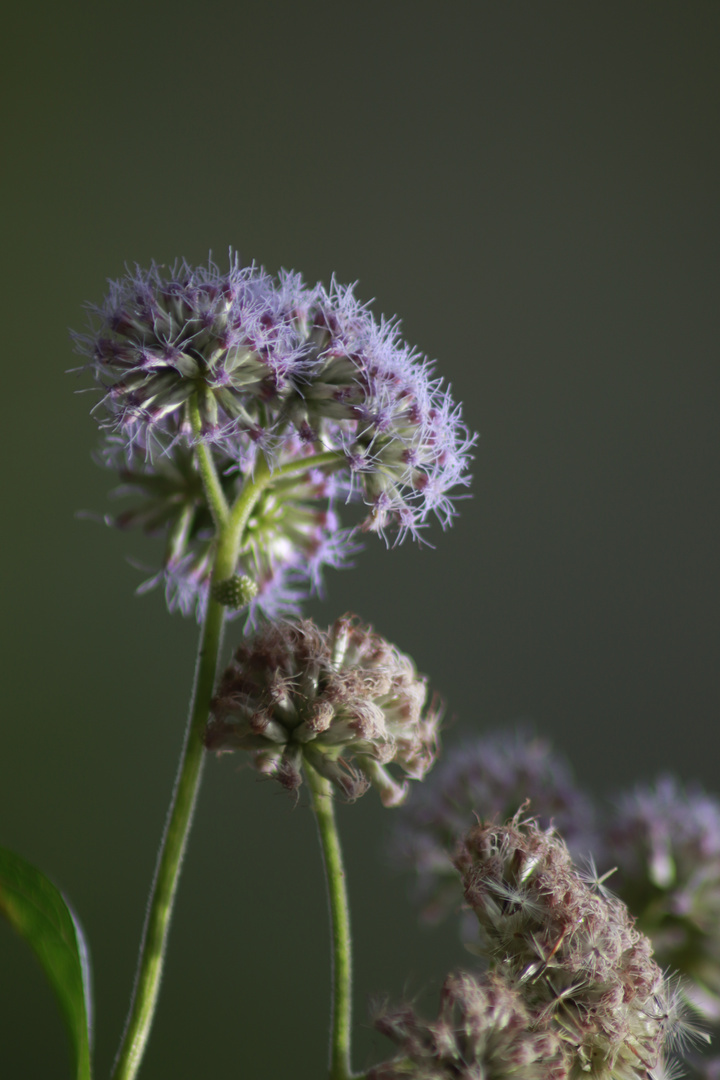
pixel 341 1017
pixel 316 461
pixel 206 465
pixel 231 524
pixel 172 849
pixel 230 538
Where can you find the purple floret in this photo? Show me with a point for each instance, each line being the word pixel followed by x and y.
pixel 263 372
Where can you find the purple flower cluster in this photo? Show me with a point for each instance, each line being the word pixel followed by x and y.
pixel 264 370
pixel 665 842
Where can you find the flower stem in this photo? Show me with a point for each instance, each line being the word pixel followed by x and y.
pixel 231 524
pixel 211 482
pixel 172 849
pixel 341 1016
pixel 304 464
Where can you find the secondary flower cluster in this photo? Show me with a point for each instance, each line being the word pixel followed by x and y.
pixel 573 953
pixel 490 777
pixel 571 986
pixel 292 535
pixel 343 701
pixel 483 1030
pixel 264 372
pixel 658 844
pixel 665 842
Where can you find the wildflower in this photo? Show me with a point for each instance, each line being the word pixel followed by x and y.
pixel 573 954
pixel 292 536
pixel 164 337
pixel 344 701
pixel 483 1030
pixel 370 395
pixel 270 365
pixel 487 778
pixel 665 841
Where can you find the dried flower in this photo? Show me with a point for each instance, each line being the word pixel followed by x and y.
pixel 571 952
pixel 484 1030
pixel 487 778
pixel 665 841
pixel 344 701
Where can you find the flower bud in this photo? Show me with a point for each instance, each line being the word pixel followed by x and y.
pixel 235 592
pixel 344 701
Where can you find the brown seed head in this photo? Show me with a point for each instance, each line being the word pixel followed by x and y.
pixel 344 700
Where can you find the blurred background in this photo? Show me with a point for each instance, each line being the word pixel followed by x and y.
pixel 533 188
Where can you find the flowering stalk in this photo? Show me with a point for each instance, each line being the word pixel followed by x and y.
pixel 167 873
pixel 213 488
pixel 187 785
pixel 322 801
pixel 239 411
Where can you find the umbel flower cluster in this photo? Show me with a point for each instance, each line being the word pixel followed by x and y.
pixel 343 700
pixel 571 989
pixel 266 374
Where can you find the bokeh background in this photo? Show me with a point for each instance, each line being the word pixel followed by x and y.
pixel 533 187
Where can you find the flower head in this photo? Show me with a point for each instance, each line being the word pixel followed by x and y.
pixel 292 536
pixel 489 778
pixel 163 337
pixel 272 364
pixel 368 393
pixel 572 953
pixel 665 841
pixel 484 1030
pixel 344 701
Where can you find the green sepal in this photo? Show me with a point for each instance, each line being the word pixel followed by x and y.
pixel 40 914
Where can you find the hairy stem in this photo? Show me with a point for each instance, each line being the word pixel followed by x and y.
pixel 172 849
pixel 341 1016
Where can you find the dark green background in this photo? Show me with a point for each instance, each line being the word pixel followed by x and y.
pixel 533 187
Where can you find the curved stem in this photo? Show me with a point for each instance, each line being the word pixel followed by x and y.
pixel 315 461
pixel 172 849
pixel 341 1017
pixel 231 524
pixel 230 538
pixel 206 465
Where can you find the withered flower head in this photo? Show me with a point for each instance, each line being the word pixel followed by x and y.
pixel 483 1031
pixel 572 952
pixel 343 700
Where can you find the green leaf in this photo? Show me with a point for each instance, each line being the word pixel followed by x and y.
pixel 42 915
